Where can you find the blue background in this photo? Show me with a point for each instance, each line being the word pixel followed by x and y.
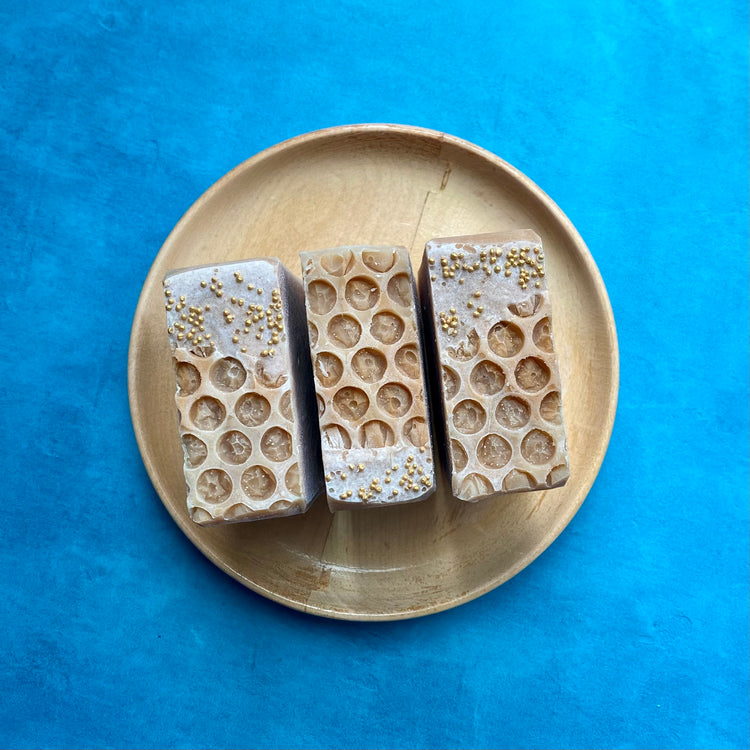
pixel 630 630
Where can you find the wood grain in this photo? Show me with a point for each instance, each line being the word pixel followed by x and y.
pixel 396 185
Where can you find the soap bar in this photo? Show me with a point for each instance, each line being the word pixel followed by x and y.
pixel 489 323
pixel 244 391
pixel 366 352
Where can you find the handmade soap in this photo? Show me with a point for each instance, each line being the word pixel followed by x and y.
pixel 244 391
pixel 488 321
pixel 369 375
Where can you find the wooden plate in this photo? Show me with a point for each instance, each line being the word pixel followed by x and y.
pixel 381 184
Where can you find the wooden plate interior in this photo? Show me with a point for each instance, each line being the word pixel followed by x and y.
pixel 380 184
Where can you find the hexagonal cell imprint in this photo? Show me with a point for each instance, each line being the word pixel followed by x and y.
pixel 517 480
pixel 394 399
pixel 214 486
pixel 276 444
pixel 268 376
pixel 207 413
pixel 494 451
pixel 538 447
pixel 487 378
pixel 532 374
pixel 417 432
pixel 252 409
pixel 351 403
pixel 542 335
pixel 285 406
pixel 513 412
pixel 558 475
pixel 369 364
pixel 362 293
pixel 312 333
pixel 234 447
pixel 376 434
pixel 188 378
pixel 321 297
pixel 526 307
pixel 338 263
pixel 459 456
pixel 380 261
pixel 344 331
pixel 451 382
pixel 466 349
pixel 399 289
pixel 505 339
pixel 328 369
pixel 258 482
pixel 408 363
pixel 292 479
pixel 228 374
pixel 475 486
pixel 469 417
pixel 550 407
pixel 195 450
pixel 387 327
pixel 335 436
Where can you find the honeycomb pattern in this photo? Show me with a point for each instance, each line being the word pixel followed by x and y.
pixel 240 433
pixel 238 444
pixel 369 375
pixel 487 302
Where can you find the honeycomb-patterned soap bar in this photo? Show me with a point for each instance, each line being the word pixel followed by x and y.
pixel 487 312
pixel 244 391
pixel 369 375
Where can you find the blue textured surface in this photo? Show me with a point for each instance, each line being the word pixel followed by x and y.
pixel 631 631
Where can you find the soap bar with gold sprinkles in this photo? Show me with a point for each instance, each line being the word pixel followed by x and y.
pixel 244 391
pixel 488 321
pixel 369 375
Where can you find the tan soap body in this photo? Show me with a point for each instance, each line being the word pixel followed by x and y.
pixel 244 391
pixel 489 320
pixel 369 374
